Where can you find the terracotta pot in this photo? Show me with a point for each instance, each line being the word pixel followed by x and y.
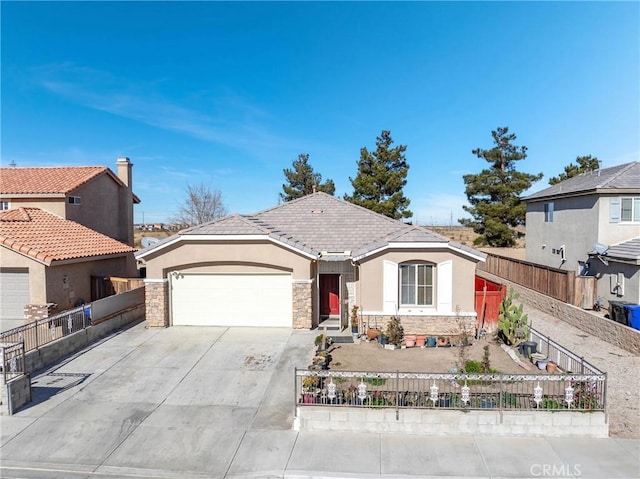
pixel 372 333
pixel 410 340
pixel 421 340
pixel 551 367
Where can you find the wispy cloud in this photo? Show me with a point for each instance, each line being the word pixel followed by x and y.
pixel 238 123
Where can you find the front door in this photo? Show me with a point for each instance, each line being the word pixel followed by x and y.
pixel 329 294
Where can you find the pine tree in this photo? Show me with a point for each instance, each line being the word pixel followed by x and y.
pixel 302 180
pixel 585 164
pixel 494 193
pixel 381 176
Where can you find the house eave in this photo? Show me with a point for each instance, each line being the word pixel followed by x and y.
pixel 223 238
pixel 573 194
pixel 419 245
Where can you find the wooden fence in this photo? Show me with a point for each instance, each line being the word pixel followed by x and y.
pixel 553 282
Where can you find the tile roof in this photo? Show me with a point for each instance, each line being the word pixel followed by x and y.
pixel 629 250
pixel 621 177
pixel 47 237
pixel 46 180
pixel 319 224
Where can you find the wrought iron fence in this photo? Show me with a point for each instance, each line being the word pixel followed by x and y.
pixel 12 360
pixel 565 359
pixel 579 392
pixel 46 330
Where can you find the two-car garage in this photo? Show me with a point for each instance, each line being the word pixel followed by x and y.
pixel 233 299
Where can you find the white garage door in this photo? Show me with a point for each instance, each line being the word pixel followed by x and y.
pixel 14 295
pixel 231 300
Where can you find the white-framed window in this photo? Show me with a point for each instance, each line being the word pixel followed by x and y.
pixel 416 284
pixel 625 209
pixel 74 200
pixel 548 212
pixel 4 205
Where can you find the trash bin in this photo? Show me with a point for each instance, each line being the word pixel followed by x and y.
pixel 616 311
pixel 528 348
pixel 633 315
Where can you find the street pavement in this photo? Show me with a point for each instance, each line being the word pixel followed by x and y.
pixel 196 402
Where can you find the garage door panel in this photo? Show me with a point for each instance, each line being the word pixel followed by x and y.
pixel 232 299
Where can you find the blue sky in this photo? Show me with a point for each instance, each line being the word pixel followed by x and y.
pixel 230 93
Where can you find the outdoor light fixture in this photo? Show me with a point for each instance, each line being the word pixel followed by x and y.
pixel 568 396
pixel 331 390
pixel 465 393
pixel 433 395
pixel 362 390
pixel 537 394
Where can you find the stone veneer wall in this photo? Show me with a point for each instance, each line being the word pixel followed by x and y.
pixel 448 326
pixel 610 331
pixel 156 298
pixel 302 305
pixel 33 312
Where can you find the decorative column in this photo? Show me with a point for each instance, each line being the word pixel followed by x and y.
pixel 156 303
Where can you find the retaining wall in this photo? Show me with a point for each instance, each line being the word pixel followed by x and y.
pixel 52 352
pixel 428 422
pixel 610 331
pixel 15 394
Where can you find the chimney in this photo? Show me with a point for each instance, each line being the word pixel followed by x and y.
pixel 124 170
pixel 126 198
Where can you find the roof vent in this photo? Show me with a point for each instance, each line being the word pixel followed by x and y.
pixel 316 212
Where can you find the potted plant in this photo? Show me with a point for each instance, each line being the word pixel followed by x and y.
pixel 354 322
pixel 383 339
pixel 410 340
pixel 421 340
pixel 395 332
pixel 443 342
pixel 309 386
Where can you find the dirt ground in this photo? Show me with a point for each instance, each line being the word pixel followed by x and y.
pixel 370 356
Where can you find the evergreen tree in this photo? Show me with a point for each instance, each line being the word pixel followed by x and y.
pixel 381 176
pixel 585 164
pixel 302 180
pixel 494 193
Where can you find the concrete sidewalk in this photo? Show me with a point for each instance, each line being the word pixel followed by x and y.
pixel 219 402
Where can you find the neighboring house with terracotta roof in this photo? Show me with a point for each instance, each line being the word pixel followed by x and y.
pixel 90 195
pixel 590 224
pixel 310 261
pixel 49 260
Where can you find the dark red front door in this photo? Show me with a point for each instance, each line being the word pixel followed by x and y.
pixel 329 294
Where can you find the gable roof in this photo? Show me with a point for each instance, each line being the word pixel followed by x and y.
pixel 617 179
pixel 320 225
pixel 50 181
pixel 46 237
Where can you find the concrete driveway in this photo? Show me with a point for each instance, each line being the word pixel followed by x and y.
pixel 218 402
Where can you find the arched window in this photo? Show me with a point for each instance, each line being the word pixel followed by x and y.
pixel 416 284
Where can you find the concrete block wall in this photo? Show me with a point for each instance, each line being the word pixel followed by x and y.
pixel 447 326
pixel 430 422
pixel 15 394
pixel 51 353
pixel 592 323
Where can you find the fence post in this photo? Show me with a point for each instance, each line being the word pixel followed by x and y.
pixel 581 364
pixel 397 394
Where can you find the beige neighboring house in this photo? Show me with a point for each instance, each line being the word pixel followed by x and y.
pixel 90 195
pixel 306 262
pixel 54 201
pixel 52 264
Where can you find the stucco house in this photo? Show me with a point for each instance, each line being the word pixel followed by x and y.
pixel 41 209
pixel 308 261
pixel 93 196
pixel 590 224
pixel 49 264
